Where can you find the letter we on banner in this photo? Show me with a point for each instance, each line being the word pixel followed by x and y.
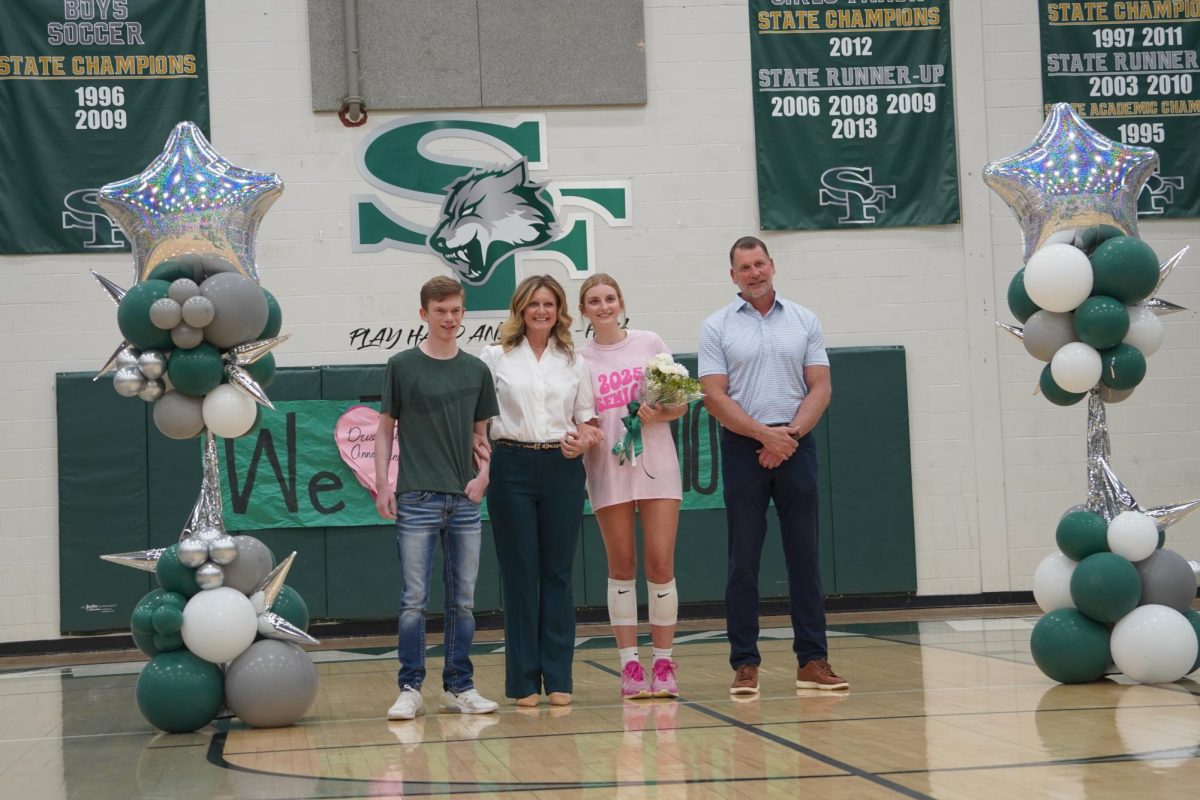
pixel 853 114
pixel 311 462
pixel 89 90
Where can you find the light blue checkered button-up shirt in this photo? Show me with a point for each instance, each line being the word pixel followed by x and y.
pixel 763 357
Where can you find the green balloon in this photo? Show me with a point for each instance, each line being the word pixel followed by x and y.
pixel 133 316
pixel 263 370
pixel 291 606
pixel 173 576
pixel 1055 393
pixel 171 270
pixel 1125 268
pixel 141 621
pixel 197 371
pixel 178 692
pixel 1070 648
pixel 1081 534
pixel 168 642
pixel 1105 587
pixel 1018 299
pixel 1092 237
pixel 1124 366
pixel 274 317
pixel 1101 322
pixel 168 619
pixel 1194 617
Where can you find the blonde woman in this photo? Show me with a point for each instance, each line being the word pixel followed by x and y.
pixel 535 497
pixel 651 487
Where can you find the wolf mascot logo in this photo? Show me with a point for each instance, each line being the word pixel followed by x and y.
pixel 489 214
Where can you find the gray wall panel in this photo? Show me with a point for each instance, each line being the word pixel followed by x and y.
pixel 327 53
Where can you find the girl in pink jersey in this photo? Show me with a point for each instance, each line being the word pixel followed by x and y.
pixel 651 486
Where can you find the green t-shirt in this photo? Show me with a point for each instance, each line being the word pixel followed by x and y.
pixel 436 404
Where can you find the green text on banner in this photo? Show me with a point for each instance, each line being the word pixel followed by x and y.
pixel 853 114
pixel 89 91
pixel 291 472
pixel 1131 70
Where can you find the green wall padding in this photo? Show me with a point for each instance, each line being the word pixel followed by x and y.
pixel 123 486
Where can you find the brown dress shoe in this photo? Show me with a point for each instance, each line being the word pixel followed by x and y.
pixel 745 680
pixel 817 674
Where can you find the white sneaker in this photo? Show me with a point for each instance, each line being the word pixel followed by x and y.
pixel 407 705
pixel 467 701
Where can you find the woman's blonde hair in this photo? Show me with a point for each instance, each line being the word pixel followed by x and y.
pixel 600 279
pixel 512 330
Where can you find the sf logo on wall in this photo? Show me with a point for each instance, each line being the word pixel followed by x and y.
pixel 852 189
pixel 492 216
pixel 84 213
pixel 1158 193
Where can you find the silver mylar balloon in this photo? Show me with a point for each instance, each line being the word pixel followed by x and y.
pixel 190 194
pixel 186 337
pixel 145 560
pixel 111 364
pixel 152 391
pixel 129 381
pixel 273 626
pixel 165 313
pixel 115 292
pixel 208 534
pixel 242 380
pixel 1071 176
pixel 127 357
pixel 152 364
pixel 210 576
pixel 250 352
pixel 198 311
pixel 182 290
pixel 222 550
pixel 192 552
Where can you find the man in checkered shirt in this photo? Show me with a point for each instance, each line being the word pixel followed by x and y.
pixel 765 374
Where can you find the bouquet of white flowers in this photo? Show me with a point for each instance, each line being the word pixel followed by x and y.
pixel 664 383
pixel 667 382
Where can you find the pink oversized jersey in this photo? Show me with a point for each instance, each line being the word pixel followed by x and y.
pixel 616 371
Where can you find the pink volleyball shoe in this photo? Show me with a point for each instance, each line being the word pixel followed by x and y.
pixel 663 682
pixel 633 682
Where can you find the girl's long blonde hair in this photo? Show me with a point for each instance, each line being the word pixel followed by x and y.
pixel 512 330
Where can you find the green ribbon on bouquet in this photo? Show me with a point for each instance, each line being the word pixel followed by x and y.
pixel 630 445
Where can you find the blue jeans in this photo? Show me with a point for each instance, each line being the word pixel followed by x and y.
pixel 421 517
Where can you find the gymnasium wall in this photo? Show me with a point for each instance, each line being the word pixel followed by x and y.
pixel 993 466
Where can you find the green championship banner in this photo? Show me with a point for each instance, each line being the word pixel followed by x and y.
pixel 301 467
pixel 853 114
pixel 89 91
pixel 1131 70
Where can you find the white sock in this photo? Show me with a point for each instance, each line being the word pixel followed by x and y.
pixel 661 654
pixel 628 654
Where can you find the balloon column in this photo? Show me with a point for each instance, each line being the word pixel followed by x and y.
pixel 1086 297
pixel 198 333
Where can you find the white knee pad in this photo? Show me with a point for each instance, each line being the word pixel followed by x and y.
pixel 622 602
pixel 664 603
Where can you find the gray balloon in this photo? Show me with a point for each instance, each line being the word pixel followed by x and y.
pixel 183 289
pixel 194 262
pixel 1111 395
pixel 1047 331
pixel 185 336
pixel 165 313
pixel 271 685
pixel 254 560
pixel 178 416
pixel 212 264
pixel 241 309
pixel 198 311
pixel 1167 580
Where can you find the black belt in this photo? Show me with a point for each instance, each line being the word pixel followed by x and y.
pixel 527 445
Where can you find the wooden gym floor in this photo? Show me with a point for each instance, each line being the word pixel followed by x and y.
pixel 942 704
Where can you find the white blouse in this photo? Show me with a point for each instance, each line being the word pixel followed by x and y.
pixel 540 400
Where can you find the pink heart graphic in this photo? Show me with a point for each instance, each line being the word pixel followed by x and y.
pixel 355 437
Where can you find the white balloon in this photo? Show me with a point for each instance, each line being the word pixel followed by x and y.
pixel 1052 582
pixel 1133 535
pixel 1145 330
pixel 228 412
pixel 1154 644
pixel 1058 277
pixel 1076 367
pixel 218 624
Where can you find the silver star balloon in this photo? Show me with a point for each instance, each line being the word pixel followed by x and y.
pixel 1016 331
pixel 1108 496
pixel 243 381
pixel 191 200
pixel 1071 176
pixel 145 560
pixel 250 352
pixel 114 360
pixel 114 291
pixel 1164 269
pixel 1161 307
pixel 273 626
pixel 271 585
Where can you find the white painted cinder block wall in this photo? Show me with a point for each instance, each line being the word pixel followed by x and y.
pixel 993 465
